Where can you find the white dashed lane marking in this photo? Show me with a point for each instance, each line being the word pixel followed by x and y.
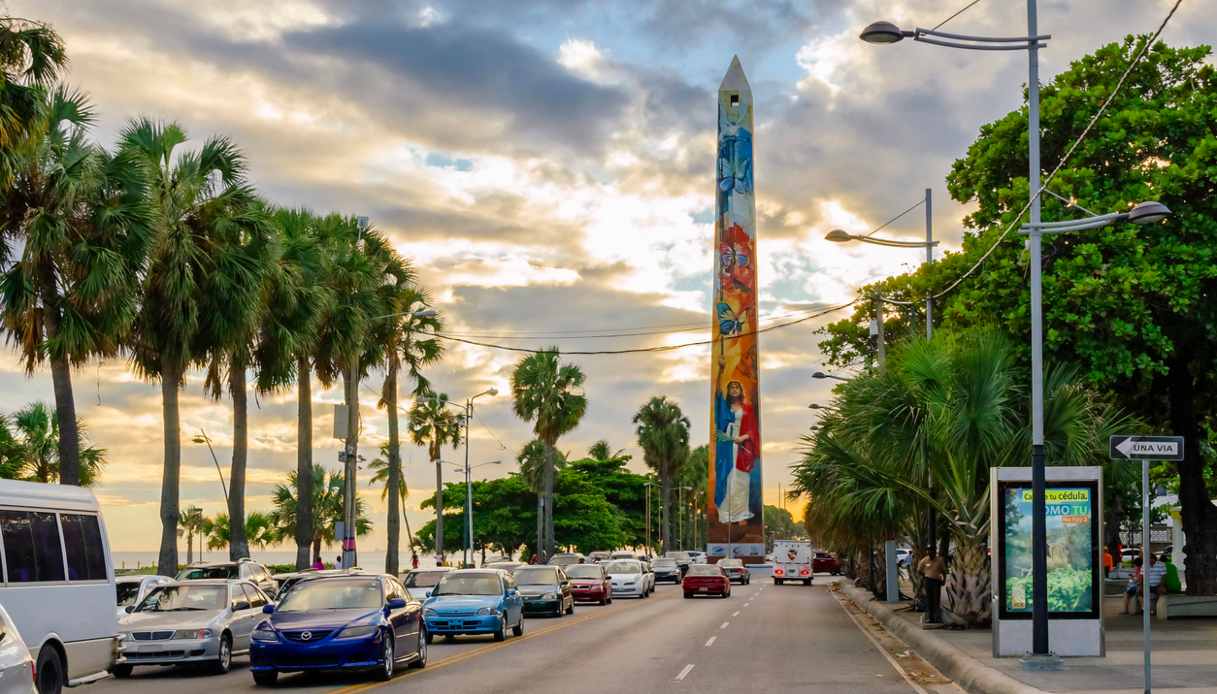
pixel 685 672
pixel 735 614
pixel 723 625
pixel 711 641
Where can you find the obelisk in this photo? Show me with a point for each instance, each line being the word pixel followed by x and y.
pixel 734 502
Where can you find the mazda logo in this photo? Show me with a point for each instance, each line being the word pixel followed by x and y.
pixel 305 636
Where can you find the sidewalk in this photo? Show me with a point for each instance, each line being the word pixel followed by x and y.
pixel 1184 654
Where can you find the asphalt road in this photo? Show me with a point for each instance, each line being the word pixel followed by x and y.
pixel 764 638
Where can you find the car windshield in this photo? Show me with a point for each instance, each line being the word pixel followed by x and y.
pixel 332 594
pixel 185 598
pixel 582 571
pixel 676 555
pixel 535 575
pixel 663 563
pixel 423 579
pixel 623 555
pixel 195 573
pixel 731 564
pixel 623 566
pixel 704 570
pixel 127 592
pixel 564 559
pixel 468 584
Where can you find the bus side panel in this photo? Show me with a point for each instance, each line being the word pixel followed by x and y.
pixel 79 615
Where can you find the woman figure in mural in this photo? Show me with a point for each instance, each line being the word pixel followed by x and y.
pixel 735 455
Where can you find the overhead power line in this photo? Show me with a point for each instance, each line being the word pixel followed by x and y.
pixel 958 12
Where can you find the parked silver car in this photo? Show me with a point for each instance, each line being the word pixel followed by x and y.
pixel 16 664
pixel 205 621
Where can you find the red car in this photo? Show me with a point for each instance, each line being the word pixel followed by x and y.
pixel 706 579
pixel 826 563
pixel 589 583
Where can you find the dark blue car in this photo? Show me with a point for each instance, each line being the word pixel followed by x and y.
pixel 345 622
pixel 474 601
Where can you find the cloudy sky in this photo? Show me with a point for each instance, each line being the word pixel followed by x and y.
pixel 548 167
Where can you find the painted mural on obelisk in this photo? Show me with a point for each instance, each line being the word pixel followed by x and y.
pixel 734 503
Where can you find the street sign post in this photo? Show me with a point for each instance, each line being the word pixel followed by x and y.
pixel 1146 449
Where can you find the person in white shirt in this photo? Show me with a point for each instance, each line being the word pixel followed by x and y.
pixel 1153 581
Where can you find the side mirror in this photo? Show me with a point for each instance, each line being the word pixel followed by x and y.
pixel 268 608
pixel 395 603
pixel 512 592
pixel 129 609
pixel 243 605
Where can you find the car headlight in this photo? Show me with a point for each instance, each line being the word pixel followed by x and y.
pixel 550 596
pixel 264 632
pixel 485 611
pixel 429 612
pixel 124 636
pixel 193 634
pixel 357 632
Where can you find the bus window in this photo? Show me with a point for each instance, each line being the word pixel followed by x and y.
pixel 82 539
pixel 31 546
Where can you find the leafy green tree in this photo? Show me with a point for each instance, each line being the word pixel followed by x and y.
pixel 80 219
pixel 780 525
pixel 663 435
pixel 550 395
pixel 1129 305
pixel 30 450
pixel 326 508
pixel 259 529
pixel 205 236
pixel 383 477
pixel 298 301
pixel 31 56
pixel 190 524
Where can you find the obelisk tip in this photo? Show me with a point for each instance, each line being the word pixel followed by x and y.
pixel 735 80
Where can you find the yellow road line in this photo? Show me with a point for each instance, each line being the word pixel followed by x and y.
pixel 461 657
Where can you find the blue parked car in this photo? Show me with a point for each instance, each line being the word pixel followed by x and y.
pixel 474 601
pixel 343 622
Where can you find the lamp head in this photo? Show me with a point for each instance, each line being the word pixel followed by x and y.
pixel 492 392
pixel 1148 212
pixel 839 236
pixel 883 32
pixel 819 374
pixel 427 312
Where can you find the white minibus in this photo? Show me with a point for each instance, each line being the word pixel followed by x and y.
pixel 58 580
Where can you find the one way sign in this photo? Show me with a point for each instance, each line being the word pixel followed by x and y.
pixel 1146 448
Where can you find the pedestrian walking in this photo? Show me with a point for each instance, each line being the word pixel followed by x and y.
pixel 1108 562
pixel 414 560
pixel 933 569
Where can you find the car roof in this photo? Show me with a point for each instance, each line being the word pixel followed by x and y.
pixel 210 582
pixel 39 495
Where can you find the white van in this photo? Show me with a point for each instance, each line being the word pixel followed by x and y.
pixel 58 580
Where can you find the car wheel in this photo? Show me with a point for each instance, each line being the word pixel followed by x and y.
pixel 603 602
pixel 121 671
pixel 777 581
pixel 570 609
pixel 430 638
pixel 223 662
pixel 518 629
pixel 50 671
pixel 449 638
pixel 266 678
pixel 501 633
pixel 385 673
pixel 423 639
pixel 688 596
pixel 807 582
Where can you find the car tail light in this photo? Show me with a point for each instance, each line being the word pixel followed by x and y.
pixel 779 571
pixel 804 571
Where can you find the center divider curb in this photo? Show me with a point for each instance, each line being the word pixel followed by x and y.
pixel 965 670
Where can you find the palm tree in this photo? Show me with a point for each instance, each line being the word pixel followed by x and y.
pixel 663 435
pixel 206 238
pixel 405 315
pixel 259 528
pixel 80 219
pixel 382 476
pixel 326 507
pixel 549 395
pixel 434 425
pixel 298 301
pixel 192 521
pixel 30 450
pixel 532 460
pixel 31 56
pixel 602 452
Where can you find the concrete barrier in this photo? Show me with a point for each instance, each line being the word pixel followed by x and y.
pixel 965 670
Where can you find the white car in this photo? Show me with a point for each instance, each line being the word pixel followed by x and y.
pixel 16 663
pixel 420 582
pixel 131 590
pixel 697 557
pixel 629 578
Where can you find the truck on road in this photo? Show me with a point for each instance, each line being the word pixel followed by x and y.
pixel 792 562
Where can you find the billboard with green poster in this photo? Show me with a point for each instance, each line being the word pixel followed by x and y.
pixel 1074 569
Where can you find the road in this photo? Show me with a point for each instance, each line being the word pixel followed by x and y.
pixel 764 638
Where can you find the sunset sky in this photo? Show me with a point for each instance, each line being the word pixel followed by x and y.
pixel 548 166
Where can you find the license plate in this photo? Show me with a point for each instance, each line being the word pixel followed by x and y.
pixel 702 589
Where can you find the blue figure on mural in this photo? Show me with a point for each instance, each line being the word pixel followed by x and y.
pixel 734 171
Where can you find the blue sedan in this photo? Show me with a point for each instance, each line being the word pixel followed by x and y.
pixel 474 601
pixel 345 622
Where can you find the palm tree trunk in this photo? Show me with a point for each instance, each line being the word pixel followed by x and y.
pixel 304 461
pixel 238 545
pixel 189 545
pixel 540 547
pixel 316 549
pixel 968 588
pixel 393 524
pixel 166 561
pixel 665 517
pixel 439 501
pixel 61 379
pixel 548 480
